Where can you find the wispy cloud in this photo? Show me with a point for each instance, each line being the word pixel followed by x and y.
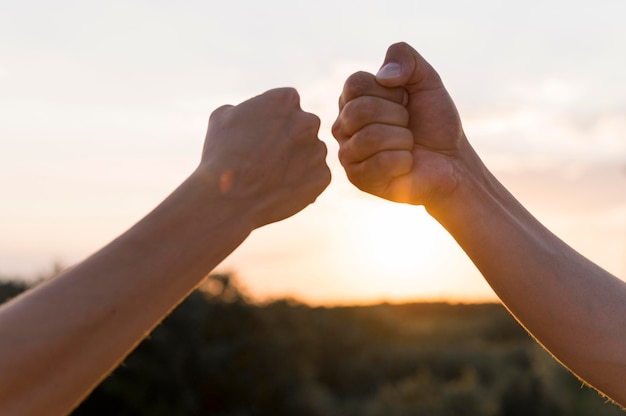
pixel 526 134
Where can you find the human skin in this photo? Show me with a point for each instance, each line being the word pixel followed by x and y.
pixel 401 138
pixel 262 162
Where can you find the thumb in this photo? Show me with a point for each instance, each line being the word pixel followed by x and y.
pixel 404 66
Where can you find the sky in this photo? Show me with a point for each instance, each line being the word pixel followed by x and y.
pixel 104 106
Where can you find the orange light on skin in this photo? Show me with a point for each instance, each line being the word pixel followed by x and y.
pixel 226 181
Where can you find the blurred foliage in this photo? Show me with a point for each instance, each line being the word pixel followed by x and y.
pixel 219 354
pixel 10 289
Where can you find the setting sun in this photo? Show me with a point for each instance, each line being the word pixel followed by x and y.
pixel 397 240
pixel 395 252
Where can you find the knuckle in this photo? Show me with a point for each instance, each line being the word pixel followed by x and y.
pixel 381 161
pixel 337 130
pixel 358 84
pixel 313 120
pixel 364 107
pixel 344 155
pixel 287 95
pixel 219 111
pixel 290 94
pixel 305 126
pixel 367 138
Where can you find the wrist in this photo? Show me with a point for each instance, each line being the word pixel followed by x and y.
pixel 474 188
pixel 208 194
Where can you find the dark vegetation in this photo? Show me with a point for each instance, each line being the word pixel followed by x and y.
pixel 219 354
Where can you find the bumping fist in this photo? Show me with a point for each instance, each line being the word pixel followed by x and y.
pixel 399 131
pixel 265 152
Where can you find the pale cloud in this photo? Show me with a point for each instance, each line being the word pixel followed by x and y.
pixel 549 92
pixel 572 187
pixel 529 135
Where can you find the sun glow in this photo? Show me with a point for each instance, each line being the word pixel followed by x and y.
pixel 399 249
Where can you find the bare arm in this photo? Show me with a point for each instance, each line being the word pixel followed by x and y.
pixel 262 162
pixel 401 138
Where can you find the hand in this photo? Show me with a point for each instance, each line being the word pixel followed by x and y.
pixel 399 131
pixel 265 153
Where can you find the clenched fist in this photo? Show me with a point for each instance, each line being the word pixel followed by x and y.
pixel 265 152
pixel 399 132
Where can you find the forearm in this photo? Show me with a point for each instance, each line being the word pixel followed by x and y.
pixel 262 162
pixel 573 307
pixel 89 318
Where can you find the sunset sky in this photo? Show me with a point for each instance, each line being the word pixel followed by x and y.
pixel 104 105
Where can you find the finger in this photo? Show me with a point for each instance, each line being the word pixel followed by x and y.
pixel 374 174
pixel 373 139
pixel 303 126
pixel 318 152
pixel 220 111
pixel 287 96
pixel 313 185
pixel 363 83
pixel 365 110
pixel 404 66
pixel 317 175
pixel 312 123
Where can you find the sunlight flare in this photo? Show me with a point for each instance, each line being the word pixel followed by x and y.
pixel 399 243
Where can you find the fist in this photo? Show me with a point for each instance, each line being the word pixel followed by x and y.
pixel 399 132
pixel 265 153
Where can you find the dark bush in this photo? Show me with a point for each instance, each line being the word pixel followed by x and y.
pixel 219 354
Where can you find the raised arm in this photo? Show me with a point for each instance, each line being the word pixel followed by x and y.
pixel 262 162
pixel 401 139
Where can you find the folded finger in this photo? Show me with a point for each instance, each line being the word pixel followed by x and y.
pixel 375 174
pixel 375 138
pixel 366 110
pixel 364 84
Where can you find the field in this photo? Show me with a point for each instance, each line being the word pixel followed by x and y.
pixel 218 354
